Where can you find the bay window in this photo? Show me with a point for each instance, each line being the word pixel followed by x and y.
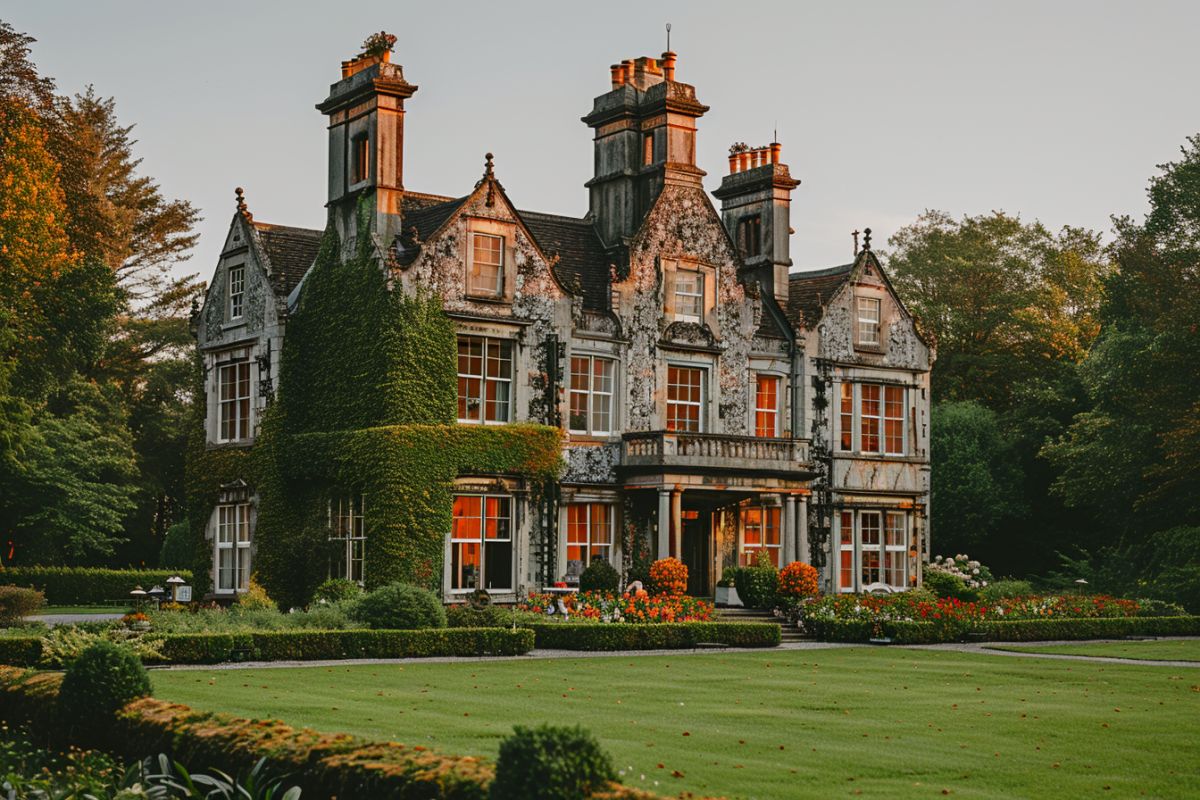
pixel 591 395
pixel 233 401
pixel 685 399
pixel 761 534
pixel 589 534
pixel 347 537
pixel 872 549
pixel 233 547
pixel 481 545
pixel 767 405
pixel 485 370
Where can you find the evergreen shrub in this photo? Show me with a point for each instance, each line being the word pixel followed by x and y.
pixel 999 590
pixel 16 602
pixel 599 576
pixel 550 763
pixel 400 606
pixel 945 585
pixel 72 586
pixel 337 590
pixel 757 585
pixel 593 636
pixel 98 683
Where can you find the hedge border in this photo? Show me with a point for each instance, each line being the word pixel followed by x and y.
pixel 1010 630
pixel 597 636
pixel 87 585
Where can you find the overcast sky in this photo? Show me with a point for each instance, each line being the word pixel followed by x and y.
pixel 1057 111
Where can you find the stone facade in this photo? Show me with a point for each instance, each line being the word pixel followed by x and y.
pixel 699 382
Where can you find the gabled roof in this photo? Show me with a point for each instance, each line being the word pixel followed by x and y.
pixel 768 326
pixel 583 263
pixel 289 251
pixel 420 221
pixel 809 291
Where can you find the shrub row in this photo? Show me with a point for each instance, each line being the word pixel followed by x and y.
pixel 323 765
pixel 86 585
pixel 211 648
pixel 1033 630
pixel 20 651
pixel 653 636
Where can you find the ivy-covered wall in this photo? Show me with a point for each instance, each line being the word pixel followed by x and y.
pixel 366 403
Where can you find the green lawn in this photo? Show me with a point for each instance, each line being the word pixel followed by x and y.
pixel 783 724
pixel 1170 650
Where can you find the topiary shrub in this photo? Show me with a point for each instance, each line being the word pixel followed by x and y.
pixel 757 585
pixel 600 576
pixel 337 590
pixel 550 763
pixel 16 603
pixel 400 606
pixel 97 684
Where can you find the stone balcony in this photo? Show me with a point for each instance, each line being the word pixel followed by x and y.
pixel 672 451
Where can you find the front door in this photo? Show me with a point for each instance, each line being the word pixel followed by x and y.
pixel 696 554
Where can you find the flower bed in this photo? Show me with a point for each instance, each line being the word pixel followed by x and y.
pixel 613 607
pixel 859 617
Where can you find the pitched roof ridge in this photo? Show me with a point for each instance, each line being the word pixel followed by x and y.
pixel 272 226
pixel 551 216
pixel 428 195
pixel 820 273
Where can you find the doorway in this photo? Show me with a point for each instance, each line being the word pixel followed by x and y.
pixel 697 555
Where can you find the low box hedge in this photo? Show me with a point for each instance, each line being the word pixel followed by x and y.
pixel 73 586
pixel 315 645
pixel 1009 630
pixel 664 636
pixel 322 765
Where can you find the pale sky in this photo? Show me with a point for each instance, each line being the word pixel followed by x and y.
pixel 1057 111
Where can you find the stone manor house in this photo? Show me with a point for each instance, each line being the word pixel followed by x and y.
pixel 727 404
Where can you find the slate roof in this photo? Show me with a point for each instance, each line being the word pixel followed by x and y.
pixel 421 220
pixel 809 291
pixel 768 327
pixel 291 251
pixel 583 265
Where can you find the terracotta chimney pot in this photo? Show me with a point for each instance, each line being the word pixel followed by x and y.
pixel 628 65
pixel 618 76
pixel 668 65
pixel 776 148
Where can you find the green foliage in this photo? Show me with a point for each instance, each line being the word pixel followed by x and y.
pixel 757 585
pixel 16 602
pixel 62 645
pixel 466 616
pixel 599 576
pixel 239 618
pixel 907 632
pixel 75 586
pixel 945 585
pixel 20 651
pixel 99 682
pixel 400 606
pixel 255 598
pixel 653 636
pixel 177 546
pixel 998 590
pixel 550 763
pixel 337 590
pixel 1160 608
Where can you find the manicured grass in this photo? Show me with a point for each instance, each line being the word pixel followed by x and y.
pixel 785 724
pixel 81 610
pixel 1168 650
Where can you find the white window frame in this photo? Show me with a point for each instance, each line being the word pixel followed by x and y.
pixel 895 551
pixel 853 392
pixel 746 551
pixel 868 316
pixel 232 535
pixel 846 428
pixel 863 418
pixel 701 405
pixel 237 292
pixel 685 299
pixel 589 542
pixel 777 411
pixel 232 410
pixel 902 418
pixel 887 551
pixel 347 526
pixel 482 541
pixel 497 289
pixel 593 397
pixel 485 378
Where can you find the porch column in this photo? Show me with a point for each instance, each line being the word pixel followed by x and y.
pixel 802 529
pixel 677 522
pixel 789 529
pixel 664 522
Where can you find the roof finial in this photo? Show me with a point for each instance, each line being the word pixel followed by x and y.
pixel 668 37
pixel 489 177
pixel 487 165
pixel 854 233
pixel 866 239
pixel 241 204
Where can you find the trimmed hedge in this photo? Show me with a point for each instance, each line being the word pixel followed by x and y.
pixel 87 585
pixel 301 645
pixel 20 651
pixel 1013 630
pixel 323 765
pixel 665 636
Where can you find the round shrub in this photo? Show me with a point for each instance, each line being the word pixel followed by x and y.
pixel 337 590
pixel 946 585
pixel 468 616
pixel 797 580
pixel 550 763
pixel 98 683
pixel 757 585
pixel 16 603
pixel 600 576
pixel 668 576
pixel 400 606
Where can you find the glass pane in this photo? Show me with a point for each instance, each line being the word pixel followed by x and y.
pixel 870 530
pixel 846 569
pixel 498 565
pixel 602 375
pixel 846 535
pixel 464 565
pixel 602 413
pixel 870 567
pixel 771 526
pixel 601 520
pixel 577 523
pixel 895 530
pixel 466 517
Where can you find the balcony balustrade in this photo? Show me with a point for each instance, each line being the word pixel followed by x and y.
pixel 685 451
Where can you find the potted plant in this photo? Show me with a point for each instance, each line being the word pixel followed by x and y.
pixel 726 591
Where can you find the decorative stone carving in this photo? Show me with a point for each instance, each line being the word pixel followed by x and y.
pixel 690 333
pixel 593 464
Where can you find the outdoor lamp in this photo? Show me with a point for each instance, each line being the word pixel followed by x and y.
pixel 175 582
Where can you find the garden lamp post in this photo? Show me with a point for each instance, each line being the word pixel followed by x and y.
pixel 175 582
pixel 139 596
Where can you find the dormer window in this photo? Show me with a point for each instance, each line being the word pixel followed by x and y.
pixel 867 322
pixel 362 159
pixel 749 236
pixel 237 292
pixel 689 296
pixel 487 265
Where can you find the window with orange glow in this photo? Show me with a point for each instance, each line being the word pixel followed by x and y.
pixel 767 398
pixel 761 533
pixel 481 547
pixel 685 399
pixel 589 534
